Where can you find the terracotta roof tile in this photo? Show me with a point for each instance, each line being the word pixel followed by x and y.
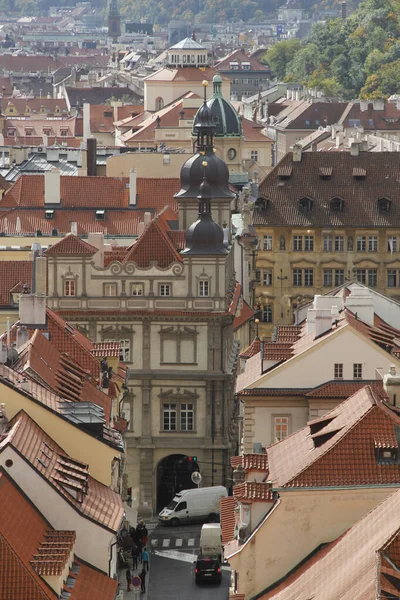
pixel 344 389
pixel 227 519
pixel 350 567
pixel 102 116
pixel 36 105
pixel 178 238
pixel 101 349
pixel 259 391
pixel 360 195
pixel 251 462
pixel 254 491
pixel 71 245
pixel 12 274
pixel 93 499
pixel 251 350
pixel 240 56
pixel 337 449
pixel 184 74
pixel 154 246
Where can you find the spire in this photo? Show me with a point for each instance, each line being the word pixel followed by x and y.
pixel 204 127
pixel 205 195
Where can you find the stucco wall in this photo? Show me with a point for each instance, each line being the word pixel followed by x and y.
pixel 295 527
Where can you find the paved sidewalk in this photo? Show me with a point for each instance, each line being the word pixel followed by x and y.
pixel 133 595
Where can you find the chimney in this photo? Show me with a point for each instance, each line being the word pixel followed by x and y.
pixel 147 218
pixel 354 149
pixel 391 385
pixel 86 120
pixel 22 337
pixel 363 105
pixel 361 302
pixel 52 187
pixel 133 187
pixel 97 240
pixel 91 157
pixel 323 321
pixel 74 228
pixel 32 310
pixel 40 274
pixel 141 227
pixel 378 104
pixel 297 150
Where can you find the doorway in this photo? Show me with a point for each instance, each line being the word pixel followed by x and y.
pixel 174 474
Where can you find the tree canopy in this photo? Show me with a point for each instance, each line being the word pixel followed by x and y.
pixel 356 57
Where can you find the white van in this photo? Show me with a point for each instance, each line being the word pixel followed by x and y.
pixel 211 540
pixel 199 504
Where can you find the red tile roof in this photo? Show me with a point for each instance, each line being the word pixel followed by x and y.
pixel 36 105
pixel 12 274
pixel 227 519
pixel 94 192
pixel 344 389
pixel 360 195
pixel 239 56
pixel 94 500
pixel 339 448
pixel 254 491
pixel 371 119
pixel 355 565
pixel 71 245
pixel 154 246
pixel 251 350
pixel 22 533
pixel 28 63
pixel 102 116
pixel 251 462
pixel 184 74
pixel 54 553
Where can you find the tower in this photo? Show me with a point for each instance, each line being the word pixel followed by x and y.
pixel 114 21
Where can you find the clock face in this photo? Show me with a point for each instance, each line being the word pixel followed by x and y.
pixel 231 153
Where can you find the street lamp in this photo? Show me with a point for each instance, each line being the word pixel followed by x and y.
pixel 281 279
pixel 257 321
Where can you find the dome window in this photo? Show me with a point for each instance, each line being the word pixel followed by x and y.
pixel 305 204
pixel 337 205
pixel 384 204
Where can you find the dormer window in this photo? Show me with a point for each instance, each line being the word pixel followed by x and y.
pixel 100 215
pixel 46 131
pixel 385 455
pixel 28 131
pixel 49 214
pixel 261 203
pixel 305 204
pixel 384 204
pixel 107 113
pixel 337 205
pixel 284 172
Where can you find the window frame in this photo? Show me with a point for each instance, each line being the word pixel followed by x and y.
pixel 204 288
pixel 267 243
pixel 393 273
pixel 357 371
pixel 164 286
pixel 308 277
pixel 297 277
pixel 327 243
pixel 133 286
pixel 308 243
pixel 339 242
pixel 328 272
pixel 373 243
pixel 275 424
pixel 268 277
pixel 110 285
pixel 178 403
pixel 338 371
pixel 67 283
pixel 361 243
pixel 297 243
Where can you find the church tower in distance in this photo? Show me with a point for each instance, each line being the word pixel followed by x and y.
pixel 114 21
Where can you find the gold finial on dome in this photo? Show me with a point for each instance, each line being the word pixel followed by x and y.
pixel 204 163
pixel 204 83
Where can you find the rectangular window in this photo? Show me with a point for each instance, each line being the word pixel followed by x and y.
pixel 361 275
pixel 281 428
pixel 110 289
pixel 165 289
pixel 309 243
pixel 204 288
pixel 339 277
pixel 254 155
pixel 392 244
pixel 357 371
pixel 339 243
pixel 327 243
pixel 137 289
pixel 69 287
pixel 297 243
pixel 169 417
pixel 327 277
pixel 267 314
pixel 186 416
pixel 338 371
pixel 267 242
pixel 391 277
pixel 297 277
pixel 267 276
pixel 372 277
pixel 361 243
pixel 309 277
pixel 372 243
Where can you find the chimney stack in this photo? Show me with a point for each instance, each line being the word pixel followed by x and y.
pixel 22 337
pixel 91 156
pixel 52 187
pixel 97 240
pixel 74 228
pixel 297 151
pixel 361 302
pixel 147 218
pixel 354 149
pixel 391 385
pixel 133 187
pixel 141 227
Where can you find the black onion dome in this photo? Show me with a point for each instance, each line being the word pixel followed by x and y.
pixel 192 176
pixel 224 117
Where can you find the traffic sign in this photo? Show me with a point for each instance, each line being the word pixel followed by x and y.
pixel 196 477
pixel 136 581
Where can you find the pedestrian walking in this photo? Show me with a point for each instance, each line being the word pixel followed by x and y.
pixel 128 578
pixel 143 580
pixel 140 548
pixel 145 559
pixel 145 534
pixel 135 553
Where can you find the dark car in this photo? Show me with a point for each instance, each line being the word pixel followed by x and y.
pixel 208 568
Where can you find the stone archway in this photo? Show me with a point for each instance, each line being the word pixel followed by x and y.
pixel 173 475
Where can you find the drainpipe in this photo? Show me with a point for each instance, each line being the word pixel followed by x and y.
pixel 110 559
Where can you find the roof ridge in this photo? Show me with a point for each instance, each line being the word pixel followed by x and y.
pixel 76 241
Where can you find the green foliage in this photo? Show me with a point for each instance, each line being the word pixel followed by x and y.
pixel 356 57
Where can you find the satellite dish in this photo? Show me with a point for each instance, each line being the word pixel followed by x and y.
pixel 196 477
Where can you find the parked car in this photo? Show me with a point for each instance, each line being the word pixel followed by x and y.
pixel 199 504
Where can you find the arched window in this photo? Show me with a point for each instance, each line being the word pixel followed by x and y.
pixel 306 204
pixel 337 204
pixel 159 103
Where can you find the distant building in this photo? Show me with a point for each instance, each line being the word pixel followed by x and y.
pixel 248 76
pixel 114 21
